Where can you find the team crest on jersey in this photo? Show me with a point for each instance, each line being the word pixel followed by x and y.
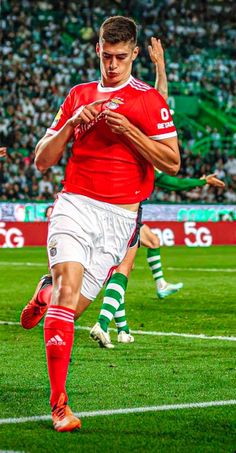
pixel 114 103
pixel 57 117
pixel 52 247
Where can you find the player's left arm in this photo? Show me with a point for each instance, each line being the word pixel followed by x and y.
pixel 156 53
pixel 162 154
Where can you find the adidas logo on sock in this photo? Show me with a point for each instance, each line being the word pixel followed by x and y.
pixel 56 341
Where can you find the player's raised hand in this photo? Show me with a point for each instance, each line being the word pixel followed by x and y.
pixel 118 123
pixel 212 180
pixel 3 151
pixel 87 113
pixel 156 52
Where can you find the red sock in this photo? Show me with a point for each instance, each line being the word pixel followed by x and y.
pixel 59 337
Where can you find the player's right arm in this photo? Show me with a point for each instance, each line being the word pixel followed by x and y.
pixel 212 180
pixel 168 182
pixel 51 147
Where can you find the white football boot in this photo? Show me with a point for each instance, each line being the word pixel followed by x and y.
pixel 168 289
pixel 102 337
pixel 124 337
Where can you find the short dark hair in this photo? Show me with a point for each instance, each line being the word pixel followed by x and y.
pixel 117 29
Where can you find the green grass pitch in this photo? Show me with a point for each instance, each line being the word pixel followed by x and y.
pixel 155 370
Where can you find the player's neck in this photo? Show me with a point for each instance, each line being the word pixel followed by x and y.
pixel 106 85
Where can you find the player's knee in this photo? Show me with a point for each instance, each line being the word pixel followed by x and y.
pixel 156 242
pixel 124 269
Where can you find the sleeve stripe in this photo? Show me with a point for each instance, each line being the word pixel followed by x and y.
pixel 51 131
pixel 161 136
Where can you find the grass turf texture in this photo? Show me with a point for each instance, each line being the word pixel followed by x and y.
pixel 152 371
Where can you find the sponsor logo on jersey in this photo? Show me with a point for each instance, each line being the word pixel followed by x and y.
pixel 57 117
pixel 165 125
pixel 114 103
pixel 81 128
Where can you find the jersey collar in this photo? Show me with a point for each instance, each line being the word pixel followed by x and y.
pixel 102 89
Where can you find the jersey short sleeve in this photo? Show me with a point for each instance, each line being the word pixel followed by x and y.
pixel 158 124
pixel 65 112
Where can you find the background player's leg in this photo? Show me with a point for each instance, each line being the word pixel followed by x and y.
pixel 114 294
pixel 150 240
pixel 113 298
pixel 82 305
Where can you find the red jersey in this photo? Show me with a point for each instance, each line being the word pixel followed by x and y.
pixel 104 165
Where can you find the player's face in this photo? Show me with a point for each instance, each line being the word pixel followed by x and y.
pixel 115 62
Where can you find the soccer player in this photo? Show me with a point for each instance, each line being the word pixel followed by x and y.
pixel 117 142
pixel 37 307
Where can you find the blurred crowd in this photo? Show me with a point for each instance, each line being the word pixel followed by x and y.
pixel 49 46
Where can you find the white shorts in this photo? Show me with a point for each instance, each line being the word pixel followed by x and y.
pixel 90 232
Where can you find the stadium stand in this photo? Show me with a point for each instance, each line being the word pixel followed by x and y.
pixel 48 46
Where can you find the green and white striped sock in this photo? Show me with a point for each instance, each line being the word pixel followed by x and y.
pixel 114 293
pixel 120 318
pixel 154 262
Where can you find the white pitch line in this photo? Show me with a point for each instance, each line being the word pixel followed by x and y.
pixel 200 269
pixel 28 264
pixel 197 269
pixel 11 451
pixel 130 410
pixel 201 336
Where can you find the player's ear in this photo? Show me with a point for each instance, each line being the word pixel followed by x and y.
pixel 135 53
pixel 98 49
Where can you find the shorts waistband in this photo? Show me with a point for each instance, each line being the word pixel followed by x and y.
pixel 125 213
